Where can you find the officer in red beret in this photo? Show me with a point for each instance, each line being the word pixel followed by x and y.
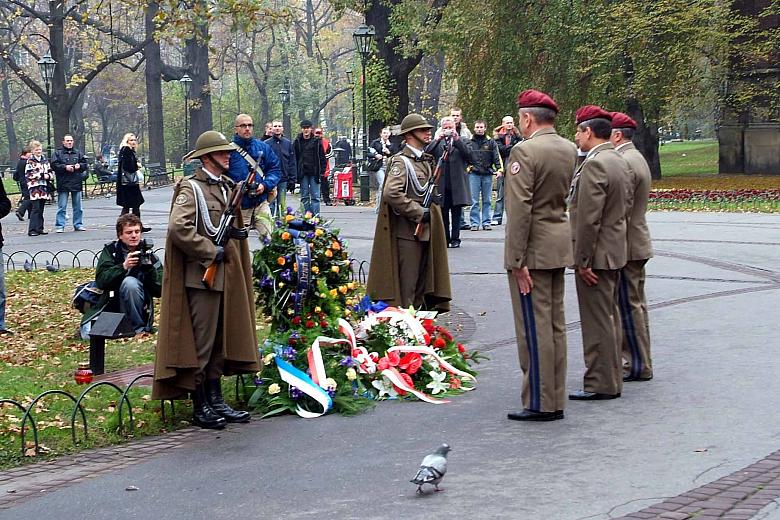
pixel 597 208
pixel 536 251
pixel 638 364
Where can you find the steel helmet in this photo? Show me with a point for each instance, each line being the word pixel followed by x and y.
pixel 210 141
pixel 414 122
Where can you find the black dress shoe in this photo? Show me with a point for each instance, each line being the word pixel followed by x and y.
pixel 42 232
pixel 582 395
pixel 530 415
pixel 455 243
pixel 632 378
pixel 33 234
pixel 202 414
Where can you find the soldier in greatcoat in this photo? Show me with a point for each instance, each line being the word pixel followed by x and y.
pixel 598 219
pixel 638 363
pixel 410 267
pixel 205 331
pixel 536 252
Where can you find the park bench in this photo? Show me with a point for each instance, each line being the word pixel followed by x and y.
pixel 102 184
pixel 157 176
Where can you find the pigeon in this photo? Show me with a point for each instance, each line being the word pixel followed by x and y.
pixel 27 266
pixel 51 267
pixel 432 469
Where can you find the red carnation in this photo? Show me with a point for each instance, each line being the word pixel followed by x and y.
pixel 296 320
pixel 309 324
pixel 461 348
pixel 410 363
pixel 444 332
pixel 439 343
pixel 324 324
pixel 455 383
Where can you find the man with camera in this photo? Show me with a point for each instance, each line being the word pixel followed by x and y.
pixel 129 275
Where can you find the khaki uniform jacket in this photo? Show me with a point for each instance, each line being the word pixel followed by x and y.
pixel 405 206
pixel 399 214
pixel 638 234
pixel 187 254
pixel 538 177
pixel 598 209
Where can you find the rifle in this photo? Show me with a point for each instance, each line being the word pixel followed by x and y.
pixel 226 231
pixel 433 182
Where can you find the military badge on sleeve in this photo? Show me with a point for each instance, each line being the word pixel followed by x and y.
pixel 514 168
pixel 395 171
pixel 181 200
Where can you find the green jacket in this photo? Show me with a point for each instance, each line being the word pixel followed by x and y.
pixel 110 273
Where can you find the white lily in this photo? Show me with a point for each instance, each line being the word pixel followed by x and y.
pixel 385 387
pixel 438 384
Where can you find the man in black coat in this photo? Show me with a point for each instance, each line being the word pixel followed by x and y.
pixel 70 168
pixel 453 181
pixel 5 209
pixel 283 148
pixel 311 163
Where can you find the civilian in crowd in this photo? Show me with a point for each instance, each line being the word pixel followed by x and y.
pixel 38 174
pixel 71 170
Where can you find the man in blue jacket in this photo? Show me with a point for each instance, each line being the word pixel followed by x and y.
pixel 283 149
pixel 254 152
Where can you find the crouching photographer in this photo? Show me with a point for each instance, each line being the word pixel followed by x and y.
pixel 130 277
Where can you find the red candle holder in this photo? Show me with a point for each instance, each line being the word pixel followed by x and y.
pixel 83 374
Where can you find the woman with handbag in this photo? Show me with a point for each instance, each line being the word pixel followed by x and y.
pixel 128 192
pixel 38 174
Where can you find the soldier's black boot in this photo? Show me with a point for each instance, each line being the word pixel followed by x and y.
pixel 218 404
pixel 202 414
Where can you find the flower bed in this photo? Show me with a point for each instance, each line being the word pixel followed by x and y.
pixel 734 200
pixel 330 347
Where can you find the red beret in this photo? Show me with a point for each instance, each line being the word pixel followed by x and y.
pixel 621 120
pixel 533 98
pixel 589 112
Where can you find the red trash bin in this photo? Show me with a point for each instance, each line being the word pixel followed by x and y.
pixel 343 187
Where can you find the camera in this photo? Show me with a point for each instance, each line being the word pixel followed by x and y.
pixel 145 252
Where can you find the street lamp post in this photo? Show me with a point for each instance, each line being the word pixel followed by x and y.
pixel 186 83
pixel 284 95
pixel 353 135
pixel 47 64
pixel 363 36
pixel 142 126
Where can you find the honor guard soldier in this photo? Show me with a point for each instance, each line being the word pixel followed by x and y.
pixel 409 257
pixel 638 363
pixel 207 329
pixel 536 252
pixel 597 205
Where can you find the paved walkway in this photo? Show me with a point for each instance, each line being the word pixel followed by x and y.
pixel 699 441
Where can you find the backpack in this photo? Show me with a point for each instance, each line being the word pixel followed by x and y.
pixel 86 295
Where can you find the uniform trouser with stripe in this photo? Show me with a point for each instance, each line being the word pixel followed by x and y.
pixel 540 326
pixel 206 315
pixel 633 316
pixel 601 334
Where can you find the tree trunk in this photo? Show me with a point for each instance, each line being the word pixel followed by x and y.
pixel 646 135
pixel 154 102
pixel 77 123
pixel 8 116
pixel 196 51
pixel 378 15
pixel 59 101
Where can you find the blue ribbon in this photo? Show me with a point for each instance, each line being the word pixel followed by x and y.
pixel 294 377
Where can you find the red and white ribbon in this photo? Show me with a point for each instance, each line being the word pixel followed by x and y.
pixel 395 377
pixel 428 351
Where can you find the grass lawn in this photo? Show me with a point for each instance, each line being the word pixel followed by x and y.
pixel 43 355
pixel 689 158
